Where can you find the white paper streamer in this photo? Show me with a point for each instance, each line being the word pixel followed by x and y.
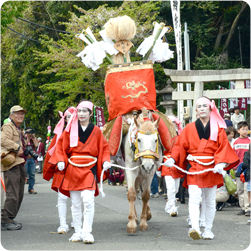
pixel 109 44
pixel 161 51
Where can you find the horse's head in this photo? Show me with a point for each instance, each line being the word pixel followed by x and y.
pixel 147 144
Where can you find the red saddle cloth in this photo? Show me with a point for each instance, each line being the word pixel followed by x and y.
pixel 128 87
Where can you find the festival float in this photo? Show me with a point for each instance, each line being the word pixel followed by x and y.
pixel 129 86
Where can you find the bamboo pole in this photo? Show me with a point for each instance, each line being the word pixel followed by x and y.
pixel 162 25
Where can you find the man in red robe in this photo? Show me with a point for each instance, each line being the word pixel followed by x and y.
pixel 81 152
pixel 205 145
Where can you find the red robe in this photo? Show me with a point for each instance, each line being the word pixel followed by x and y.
pixel 81 178
pixel 51 170
pixel 189 142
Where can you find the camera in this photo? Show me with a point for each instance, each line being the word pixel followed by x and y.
pixel 28 150
pixel 29 130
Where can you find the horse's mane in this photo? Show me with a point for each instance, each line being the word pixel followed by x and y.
pixel 147 126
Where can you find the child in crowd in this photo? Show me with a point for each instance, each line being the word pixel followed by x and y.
pixel 231 134
pixel 240 146
pixel 116 175
pixel 246 172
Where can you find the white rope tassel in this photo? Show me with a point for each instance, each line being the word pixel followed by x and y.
pixel 102 174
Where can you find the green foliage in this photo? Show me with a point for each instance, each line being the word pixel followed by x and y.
pixel 10 10
pixel 73 81
pixel 214 62
pixel 47 77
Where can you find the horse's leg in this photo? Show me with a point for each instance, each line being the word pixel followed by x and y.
pixel 132 225
pixel 136 217
pixel 149 214
pixel 143 226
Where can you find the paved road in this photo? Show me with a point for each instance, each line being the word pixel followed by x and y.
pixel 38 215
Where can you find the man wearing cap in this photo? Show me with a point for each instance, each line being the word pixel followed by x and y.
pixel 237 117
pixel 227 120
pixel 41 153
pixel 12 146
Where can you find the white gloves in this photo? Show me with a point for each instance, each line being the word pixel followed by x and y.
pixel 158 173
pixel 106 165
pixel 169 162
pixel 61 166
pixel 219 168
pixel 224 173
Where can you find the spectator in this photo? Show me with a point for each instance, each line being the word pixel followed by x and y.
pixel 116 176
pixel 83 149
pixel 30 165
pixel 237 117
pixel 41 153
pixel 155 186
pixel 14 172
pixel 222 196
pixel 246 173
pixel 227 120
pixel 240 146
pixel 231 134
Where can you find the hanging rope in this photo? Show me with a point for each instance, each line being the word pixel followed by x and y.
pixel 133 168
pixel 102 174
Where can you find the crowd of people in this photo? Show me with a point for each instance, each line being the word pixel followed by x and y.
pixel 79 152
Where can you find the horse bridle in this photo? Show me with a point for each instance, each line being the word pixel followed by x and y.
pixel 147 153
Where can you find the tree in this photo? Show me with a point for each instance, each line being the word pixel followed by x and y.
pixel 73 81
pixel 11 10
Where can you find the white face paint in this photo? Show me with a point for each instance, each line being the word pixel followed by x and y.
pixel 83 115
pixel 203 109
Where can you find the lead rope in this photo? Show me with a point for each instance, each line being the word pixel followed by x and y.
pixel 131 169
pixel 193 173
pixel 102 174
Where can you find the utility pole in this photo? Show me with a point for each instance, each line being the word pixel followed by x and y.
pixel 175 6
pixel 187 66
pixel 240 44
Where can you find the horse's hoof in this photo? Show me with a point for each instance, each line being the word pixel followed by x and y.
pixel 143 228
pixel 131 230
pixel 149 217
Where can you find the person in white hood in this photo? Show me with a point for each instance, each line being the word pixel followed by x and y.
pixel 237 117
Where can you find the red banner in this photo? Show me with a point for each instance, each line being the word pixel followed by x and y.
pixel 100 117
pixel 241 102
pixel 130 88
pixel 247 84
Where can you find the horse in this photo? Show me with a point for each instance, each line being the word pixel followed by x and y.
pixel 147 154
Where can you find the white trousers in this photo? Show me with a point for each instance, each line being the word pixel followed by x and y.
pixel 87 198
pixel 62 208
pixel 208 206
pixel 172 187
